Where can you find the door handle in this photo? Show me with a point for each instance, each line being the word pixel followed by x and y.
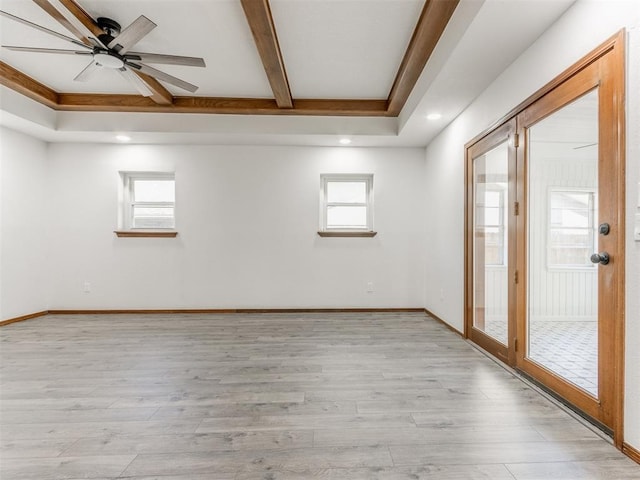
pixel 601 258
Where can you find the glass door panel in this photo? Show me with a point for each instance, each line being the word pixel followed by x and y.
pixel 490 259
pixel 490 243
pixel 562 186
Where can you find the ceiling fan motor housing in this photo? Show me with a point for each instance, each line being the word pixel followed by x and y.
pixel 110 27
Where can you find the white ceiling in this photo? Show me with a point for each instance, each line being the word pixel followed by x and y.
pixel 331 49
pixel 343 49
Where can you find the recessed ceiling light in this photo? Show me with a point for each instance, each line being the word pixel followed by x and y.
pixel 345 141
pixel 434 116
pixel 123 138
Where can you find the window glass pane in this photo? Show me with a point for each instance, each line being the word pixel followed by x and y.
pixel 571 234
pixel 567 236
pixel 346 192
pixel 493 235
pixel 493 255
pixel 492 198
pixel 346 217
pixel 570 200
pixel 492 216
pixel 154 190
pixel 566 256
pixel 153 217
pixel 570 218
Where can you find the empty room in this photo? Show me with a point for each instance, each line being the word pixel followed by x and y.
pixel 332 239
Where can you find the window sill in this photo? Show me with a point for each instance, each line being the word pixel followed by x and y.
pixel 151 234
pixel 347 234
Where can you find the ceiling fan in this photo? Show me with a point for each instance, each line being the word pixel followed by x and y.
pixel 109 46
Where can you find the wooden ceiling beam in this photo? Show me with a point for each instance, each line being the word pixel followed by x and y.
pixel 341 108
pixel 219 105
pixel 27 86
pixel 80 102
pixel 260 20
pixel 431 24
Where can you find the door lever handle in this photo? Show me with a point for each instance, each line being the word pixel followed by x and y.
pixel 601 258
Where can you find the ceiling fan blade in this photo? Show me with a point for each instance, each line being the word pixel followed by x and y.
pixel 165 59
pixel 136 81
pixel 68 20
pixel 163 76
pixel 46 50
pixel 43 29
pixel 87 72
pixel 78 19
pixel 132 35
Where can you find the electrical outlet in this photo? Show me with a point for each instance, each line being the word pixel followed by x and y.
pixel 369 287
pixel 442 294
pixel 86 287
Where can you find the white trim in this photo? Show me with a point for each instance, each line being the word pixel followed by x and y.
pixel 128 203
pixel 325 179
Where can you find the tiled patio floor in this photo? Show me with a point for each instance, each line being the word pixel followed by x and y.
pixel 568 348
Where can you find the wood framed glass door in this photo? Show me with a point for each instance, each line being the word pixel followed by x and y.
pixel 491 167
pixel 544 242
pixel 569 241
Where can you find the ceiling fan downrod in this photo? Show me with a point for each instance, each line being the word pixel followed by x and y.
pixel 107 57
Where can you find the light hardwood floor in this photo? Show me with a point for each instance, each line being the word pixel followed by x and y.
pixel 288 396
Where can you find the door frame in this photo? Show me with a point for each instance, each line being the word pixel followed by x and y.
pixel 614 49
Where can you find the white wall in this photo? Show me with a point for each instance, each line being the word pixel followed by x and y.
pixel 632 324
pixel 583 27
pixel 22 225
pixel 247 219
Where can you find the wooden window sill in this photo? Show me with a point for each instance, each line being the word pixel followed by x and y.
pixel 347 234
pixel 138 233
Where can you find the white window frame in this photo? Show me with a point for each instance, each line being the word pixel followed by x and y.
pixel 593 202
pixel 128 203
pixel 327 178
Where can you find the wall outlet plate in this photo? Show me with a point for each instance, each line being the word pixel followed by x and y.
pixel 636 229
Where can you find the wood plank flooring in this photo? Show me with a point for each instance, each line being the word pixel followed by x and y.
pixel 384 396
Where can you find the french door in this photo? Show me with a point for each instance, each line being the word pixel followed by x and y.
pixel 491 166
pixel 545 239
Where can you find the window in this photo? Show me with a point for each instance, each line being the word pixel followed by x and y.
pixel 571 228
pixel 149 200
pixel 346 203
pixel 490 214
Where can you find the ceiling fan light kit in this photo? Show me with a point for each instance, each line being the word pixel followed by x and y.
pixel 108 59
pixel 111 50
